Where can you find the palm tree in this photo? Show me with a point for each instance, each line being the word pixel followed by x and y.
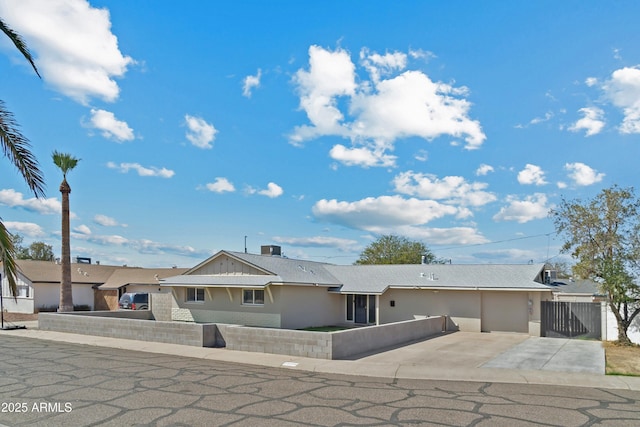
pixel 66 162
pixel 17 149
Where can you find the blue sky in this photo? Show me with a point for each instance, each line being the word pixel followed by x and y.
pixel 318 126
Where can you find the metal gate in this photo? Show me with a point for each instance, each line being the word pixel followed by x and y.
pixel 571 319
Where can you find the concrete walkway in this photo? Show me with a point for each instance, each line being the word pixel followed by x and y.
pixel 460 356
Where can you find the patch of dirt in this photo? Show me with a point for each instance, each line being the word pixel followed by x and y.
pixel 19 317
pixel 622 360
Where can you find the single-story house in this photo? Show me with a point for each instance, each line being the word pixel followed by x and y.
pixel 39 284
pixel 273 291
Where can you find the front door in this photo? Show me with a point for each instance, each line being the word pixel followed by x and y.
pixel 361 308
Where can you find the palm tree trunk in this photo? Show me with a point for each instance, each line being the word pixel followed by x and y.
pixel 66 296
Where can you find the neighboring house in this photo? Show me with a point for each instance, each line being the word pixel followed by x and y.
pixel 131 280
pixel 39 285
pixel 573 290
pixel 272 291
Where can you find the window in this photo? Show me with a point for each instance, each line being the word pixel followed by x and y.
pixel 253 296
pixel 195 295
pixel 350 307
pixel 23 291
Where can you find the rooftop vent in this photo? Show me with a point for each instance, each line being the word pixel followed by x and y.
pixel 271 250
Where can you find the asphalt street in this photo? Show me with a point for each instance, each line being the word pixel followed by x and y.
pixel 48 383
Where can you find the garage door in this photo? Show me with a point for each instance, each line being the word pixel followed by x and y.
pixel 505 312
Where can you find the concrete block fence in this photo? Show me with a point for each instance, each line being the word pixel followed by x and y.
pixel 132 325
pixel 329 345
pixel 140 325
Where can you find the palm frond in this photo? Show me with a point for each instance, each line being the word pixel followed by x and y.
pixel 64 161
pixel 19 43
pixel 8 257
pixel 16 148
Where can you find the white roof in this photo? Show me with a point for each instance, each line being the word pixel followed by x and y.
pixel 369 279
pixel 376 279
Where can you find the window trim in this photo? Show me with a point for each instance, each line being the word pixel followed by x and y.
pixel 253 297
pixel 196 300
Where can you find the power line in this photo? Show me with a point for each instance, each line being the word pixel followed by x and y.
pixel 496 242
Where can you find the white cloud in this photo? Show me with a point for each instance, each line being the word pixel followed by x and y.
pixel 112 240
pixel 363 157
pixel 452 188
pixel 12 198
pixel 537 120
pixel 374 213
pixel 591 81
pixel 73 45
pixel 509 256
pixel 200 133
pixel 273 190
pixel 144 246
pixel 531 174
pixel 439 236
pixel 624 91
pixel 107 221
pixel 422 156
pixel 413 105
pixel 25 228
pixel 484 169
pixel 381 65
pixel 111 127
pixel 421 54
pixel 150 247
pixel 319 242
pixel 381 110
pixel 592 121
pixel 251 82
pixel 82 229
pixel 142 171
pixel 220 185
pixel 330 75
pixel 532 207
pixel 582 174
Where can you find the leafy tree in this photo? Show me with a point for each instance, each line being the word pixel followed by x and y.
pixel 40 251
pixel 392 249
pixel 602 234
pixel 16 148
pixel 21 251
pixel 65 162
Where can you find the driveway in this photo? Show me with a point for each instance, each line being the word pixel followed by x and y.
pixel 552 354
pixel 468 350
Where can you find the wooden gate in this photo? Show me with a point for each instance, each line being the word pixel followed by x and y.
pixel 571 319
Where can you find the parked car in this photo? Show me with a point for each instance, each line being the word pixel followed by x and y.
pixel 134 301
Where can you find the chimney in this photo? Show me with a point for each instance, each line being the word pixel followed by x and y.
pixel 270 250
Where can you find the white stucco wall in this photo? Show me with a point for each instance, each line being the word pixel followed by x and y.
pixel 23 303
pixel 306 306
pixel 48 295
pixel 463 307
pixel 293 307
pixel 219 307
pixel 612 328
